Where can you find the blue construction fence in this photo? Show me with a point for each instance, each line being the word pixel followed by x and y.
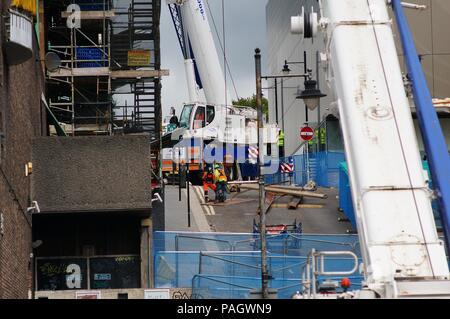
pixel 228 265
pixel 224 287
pixel 323 168
pixel 346 202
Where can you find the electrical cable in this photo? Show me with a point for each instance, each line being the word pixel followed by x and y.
pixel 223 50
pixel 15 198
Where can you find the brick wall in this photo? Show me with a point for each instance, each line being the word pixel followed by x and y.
pixel 21 114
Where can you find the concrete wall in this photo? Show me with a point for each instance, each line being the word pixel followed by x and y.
pixel 95 173
pixel 429 27
pixel 21 117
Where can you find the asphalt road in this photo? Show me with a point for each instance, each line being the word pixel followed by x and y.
pixel 242 207
pixel 240 210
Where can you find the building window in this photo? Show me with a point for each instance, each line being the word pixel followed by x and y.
pixel 199 118
pixel 210 114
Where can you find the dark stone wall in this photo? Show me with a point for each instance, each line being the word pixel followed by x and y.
pixel 67 234
pixel 92 173
pixel 21 116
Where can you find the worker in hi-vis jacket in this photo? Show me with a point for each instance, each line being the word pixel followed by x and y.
pixel 208 182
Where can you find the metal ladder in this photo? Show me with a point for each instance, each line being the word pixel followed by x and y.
pixel 144 106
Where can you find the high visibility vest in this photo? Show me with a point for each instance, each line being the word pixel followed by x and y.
pixel 323 136
pixel 314 139
pixel 208 177
pixel 171 127
pixel 281 139
pixel 220 175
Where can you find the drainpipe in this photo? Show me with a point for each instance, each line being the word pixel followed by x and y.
pixel 433 138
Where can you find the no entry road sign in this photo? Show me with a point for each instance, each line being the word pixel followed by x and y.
pixel 307 133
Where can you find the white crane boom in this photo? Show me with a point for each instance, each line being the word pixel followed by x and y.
pixel 200 37
pixel 214 118
pixel 399 242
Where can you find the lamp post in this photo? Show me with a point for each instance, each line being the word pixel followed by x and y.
pixel 286 70
pixel 283 77
pixel 311 97
pixel 262 209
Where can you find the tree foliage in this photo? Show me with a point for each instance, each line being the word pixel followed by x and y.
pixel 251 102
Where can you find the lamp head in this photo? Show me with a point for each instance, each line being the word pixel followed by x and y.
pixel 286 69
pixel 311 95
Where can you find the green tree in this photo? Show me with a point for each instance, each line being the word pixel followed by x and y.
pixel 251 102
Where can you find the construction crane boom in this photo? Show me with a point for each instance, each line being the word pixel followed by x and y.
pixel 402 253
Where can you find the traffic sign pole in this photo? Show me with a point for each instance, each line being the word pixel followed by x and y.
pixel 307 134
pixel 307 162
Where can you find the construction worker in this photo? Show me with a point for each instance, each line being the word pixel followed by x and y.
pixel 221 183
pixel 281 144
pixel 208 182
pixel 173 122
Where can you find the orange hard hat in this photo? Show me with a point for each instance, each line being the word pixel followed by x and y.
pixel 345 283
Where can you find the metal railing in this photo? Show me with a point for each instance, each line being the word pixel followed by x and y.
pixel 315 266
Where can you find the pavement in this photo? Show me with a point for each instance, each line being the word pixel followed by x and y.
pixel 176 212
pixel 240 209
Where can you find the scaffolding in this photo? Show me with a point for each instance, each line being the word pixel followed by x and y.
pixel 108 81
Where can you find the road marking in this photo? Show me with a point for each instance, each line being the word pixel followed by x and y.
pixel 198 192
pixel 208 209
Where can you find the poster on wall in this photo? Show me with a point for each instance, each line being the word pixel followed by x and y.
pixel 114 272
pixel 139 58
pixel 61 273
pixel 88 295
pixel 157 294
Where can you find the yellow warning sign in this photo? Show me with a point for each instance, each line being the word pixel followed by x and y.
pixel 139 58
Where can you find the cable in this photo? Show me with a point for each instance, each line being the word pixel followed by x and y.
pixel 15 198
pixel 399 135
pixel 223 50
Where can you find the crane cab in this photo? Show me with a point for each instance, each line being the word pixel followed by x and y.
pixel 199 120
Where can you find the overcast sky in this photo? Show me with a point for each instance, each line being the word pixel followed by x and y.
pixel 245 22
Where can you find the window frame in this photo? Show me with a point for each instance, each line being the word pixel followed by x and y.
pixel 209 107
pixel 197 109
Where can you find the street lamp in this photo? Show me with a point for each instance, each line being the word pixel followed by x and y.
pixel 311 95
pixel 286 69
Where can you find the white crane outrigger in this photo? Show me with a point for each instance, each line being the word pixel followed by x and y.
pixel 401 251
pixel 223 122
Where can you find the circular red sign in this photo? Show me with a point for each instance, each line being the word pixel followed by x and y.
pixel 307 133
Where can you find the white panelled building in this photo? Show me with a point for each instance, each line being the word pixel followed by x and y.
pixel 432 44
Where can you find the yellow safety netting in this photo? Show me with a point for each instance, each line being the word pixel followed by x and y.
pixel 27 5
